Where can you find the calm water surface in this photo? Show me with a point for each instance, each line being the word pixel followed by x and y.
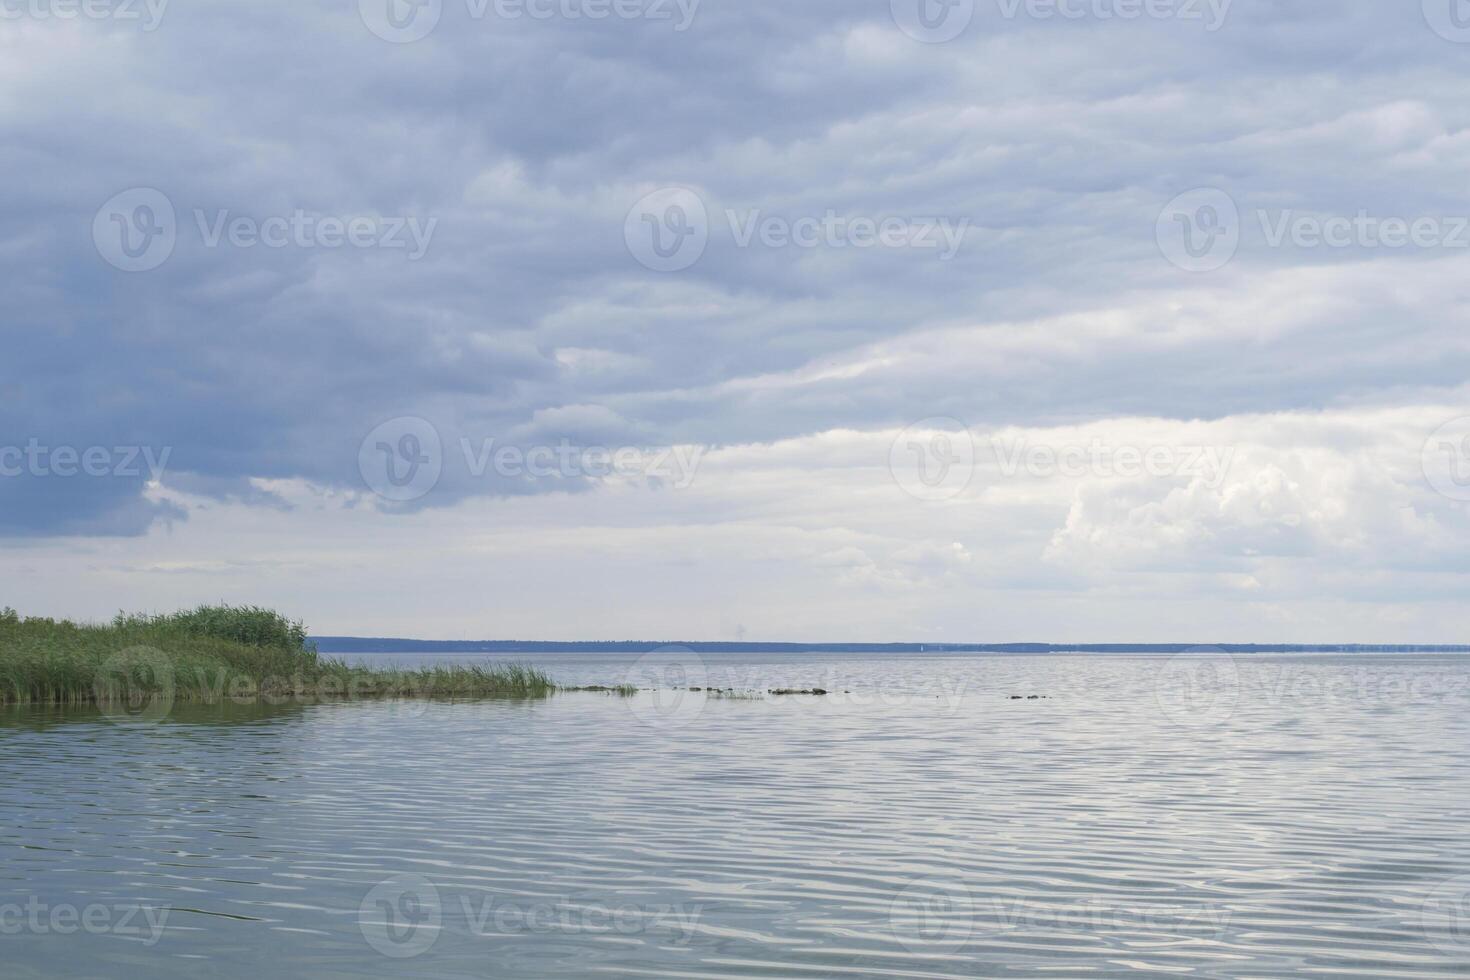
pixel 1205 816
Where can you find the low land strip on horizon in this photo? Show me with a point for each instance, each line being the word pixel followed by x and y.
pixel 361 644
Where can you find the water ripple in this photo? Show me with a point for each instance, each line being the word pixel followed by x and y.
pixel 1304 816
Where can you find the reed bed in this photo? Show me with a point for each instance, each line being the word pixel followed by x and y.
pixel 215 653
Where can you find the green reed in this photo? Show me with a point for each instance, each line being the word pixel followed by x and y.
pixel 215 653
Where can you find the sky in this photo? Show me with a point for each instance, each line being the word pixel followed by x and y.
pixel 867 320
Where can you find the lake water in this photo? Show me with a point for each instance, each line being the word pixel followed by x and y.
pixel 1203 816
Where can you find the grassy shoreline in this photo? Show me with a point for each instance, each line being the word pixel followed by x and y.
pixel 215 653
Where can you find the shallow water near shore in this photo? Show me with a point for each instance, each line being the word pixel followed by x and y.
pixel 1201 816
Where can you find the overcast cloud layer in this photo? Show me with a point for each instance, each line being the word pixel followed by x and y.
pixel 837 320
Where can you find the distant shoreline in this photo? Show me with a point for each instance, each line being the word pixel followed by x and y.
pixel 359 644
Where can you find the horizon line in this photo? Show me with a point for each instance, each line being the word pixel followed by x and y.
pixel 375 644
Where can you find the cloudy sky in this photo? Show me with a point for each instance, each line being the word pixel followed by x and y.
pixel 834 320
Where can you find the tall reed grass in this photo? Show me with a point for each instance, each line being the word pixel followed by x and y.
pixel 215 653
